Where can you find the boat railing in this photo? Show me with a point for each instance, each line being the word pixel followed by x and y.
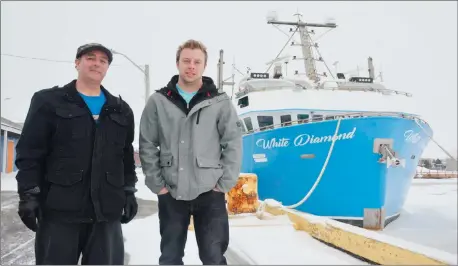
pixel 333 116
pixel 435 174
pixel 366 88
pixel 345 86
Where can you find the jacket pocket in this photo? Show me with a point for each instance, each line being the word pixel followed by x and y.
pixel 112 195
pixel 71 123
pixel 119 119
pixel 66 191
pixel 117 132
pixel 168 169
pixel 209 171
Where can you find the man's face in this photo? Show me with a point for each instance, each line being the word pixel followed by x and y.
pixel 191 65
pixel 92 66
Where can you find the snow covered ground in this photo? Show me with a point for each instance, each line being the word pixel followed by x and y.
pixel 429 218
pixel 276 242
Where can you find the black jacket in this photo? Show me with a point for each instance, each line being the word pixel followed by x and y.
pixel 82 168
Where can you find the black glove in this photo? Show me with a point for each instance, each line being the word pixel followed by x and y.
pixel 130 208
pixel 29 210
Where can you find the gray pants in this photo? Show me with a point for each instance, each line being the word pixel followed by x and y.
pixel 63 243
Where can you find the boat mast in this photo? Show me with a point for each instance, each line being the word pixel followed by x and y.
pixel 309 60
pixel 370 66
pixel 220 81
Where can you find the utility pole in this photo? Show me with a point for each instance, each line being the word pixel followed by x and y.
pixel 147 86
pixel 144 71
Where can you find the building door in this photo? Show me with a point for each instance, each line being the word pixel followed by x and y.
pixel 10 157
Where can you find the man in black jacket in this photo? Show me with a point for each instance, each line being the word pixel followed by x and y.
pixel 76 179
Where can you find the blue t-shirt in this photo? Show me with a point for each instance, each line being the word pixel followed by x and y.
pixel 95 104
pixel 187 96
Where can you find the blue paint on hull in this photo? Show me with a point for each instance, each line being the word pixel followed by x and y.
pixel 353 179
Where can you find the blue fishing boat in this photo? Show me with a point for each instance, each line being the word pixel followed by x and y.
pixel 342 147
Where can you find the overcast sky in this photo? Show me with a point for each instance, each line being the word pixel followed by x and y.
pixel 413 43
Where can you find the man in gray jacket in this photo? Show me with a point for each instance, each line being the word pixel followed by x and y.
pixel 191 151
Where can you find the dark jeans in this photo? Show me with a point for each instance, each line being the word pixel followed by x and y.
pixel 211 227
pixel 62 243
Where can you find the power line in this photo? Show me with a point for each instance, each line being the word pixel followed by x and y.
pixel 36 58
pixel 43 59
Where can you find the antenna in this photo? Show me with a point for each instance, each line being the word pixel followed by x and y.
pixel 299 15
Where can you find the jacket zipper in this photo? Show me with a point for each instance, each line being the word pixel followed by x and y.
pixel 198 116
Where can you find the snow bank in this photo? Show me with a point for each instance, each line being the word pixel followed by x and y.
pixel 8 182
pixel 429 216
pixel 143 191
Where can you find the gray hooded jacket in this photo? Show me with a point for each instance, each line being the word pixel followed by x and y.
pixel 190 149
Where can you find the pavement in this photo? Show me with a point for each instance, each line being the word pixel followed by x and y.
pixel 17 245
pixel 17 241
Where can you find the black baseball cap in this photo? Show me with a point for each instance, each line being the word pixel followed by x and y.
pixel 89 47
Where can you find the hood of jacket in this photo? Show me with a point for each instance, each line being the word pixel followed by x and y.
pixel 208 85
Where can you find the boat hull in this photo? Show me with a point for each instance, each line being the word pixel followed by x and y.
pixel 353 181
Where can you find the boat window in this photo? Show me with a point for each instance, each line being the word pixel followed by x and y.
pixel 285 120
pixel 302 118
pixel 329 117
pixel 317 117
pixel 265 122
pixel 248 124
pixel 243 102
pixel 243 126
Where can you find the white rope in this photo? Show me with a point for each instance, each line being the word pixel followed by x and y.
pixel 429 136
pixel 334 138
pixel 262 206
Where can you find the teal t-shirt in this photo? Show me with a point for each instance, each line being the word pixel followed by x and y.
pixel 95 104
pixel 187 96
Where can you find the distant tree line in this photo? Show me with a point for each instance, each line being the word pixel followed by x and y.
pixel 432 164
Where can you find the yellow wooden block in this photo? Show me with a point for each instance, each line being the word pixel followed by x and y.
pixel 374 250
